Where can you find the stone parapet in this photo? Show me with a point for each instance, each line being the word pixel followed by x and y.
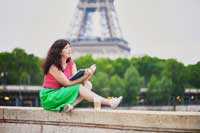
pixel 34 119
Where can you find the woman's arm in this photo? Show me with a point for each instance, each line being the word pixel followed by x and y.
pixel 61 78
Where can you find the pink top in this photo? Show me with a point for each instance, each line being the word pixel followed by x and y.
pixel 51 82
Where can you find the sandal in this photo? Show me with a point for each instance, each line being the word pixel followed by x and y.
pixel 67 107
pixel 114 103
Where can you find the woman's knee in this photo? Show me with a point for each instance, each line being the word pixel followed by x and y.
pixel 88 85
pixel 82 87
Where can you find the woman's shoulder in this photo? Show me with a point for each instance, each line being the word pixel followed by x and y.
pixel 53 67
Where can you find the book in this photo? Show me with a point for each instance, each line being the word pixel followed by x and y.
pixel 79 74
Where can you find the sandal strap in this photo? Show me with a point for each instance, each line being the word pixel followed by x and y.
pixel 67 107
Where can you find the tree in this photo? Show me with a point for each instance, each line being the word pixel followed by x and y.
pixel 176 72
pixel 159 91
pixel 148 66
pixel 194 75
pixel 20 67
pixel 133 83
pixel 105 65
pixel 84 61
pixel 6 66
pixel 166 87
pixel 153 91
pixel 34 70
pixel 120 66
pixel 117 86
pixel 101 84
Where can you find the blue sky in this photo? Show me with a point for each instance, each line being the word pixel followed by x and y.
pixel 161 28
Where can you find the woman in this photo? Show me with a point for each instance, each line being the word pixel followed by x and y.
pixel 58 92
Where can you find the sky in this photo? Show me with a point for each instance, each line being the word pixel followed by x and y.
pixel 158 28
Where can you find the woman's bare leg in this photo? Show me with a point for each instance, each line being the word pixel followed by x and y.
pixel 87 85
pixel 77 101
pixel 89 96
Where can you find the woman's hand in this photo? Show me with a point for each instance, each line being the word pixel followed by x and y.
pixel 88 72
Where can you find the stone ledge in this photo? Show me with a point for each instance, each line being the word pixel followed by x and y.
pixel 156 121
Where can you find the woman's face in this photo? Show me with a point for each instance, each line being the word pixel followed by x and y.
pixel 66 51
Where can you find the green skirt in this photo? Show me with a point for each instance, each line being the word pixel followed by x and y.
pixel 55 98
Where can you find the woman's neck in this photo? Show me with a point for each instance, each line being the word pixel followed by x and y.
pixel 63 62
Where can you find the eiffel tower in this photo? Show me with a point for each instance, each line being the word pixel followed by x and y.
pixel 95 30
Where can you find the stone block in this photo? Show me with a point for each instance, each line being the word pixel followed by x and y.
pixel 19 128
pixel 1 112
pixel 104 119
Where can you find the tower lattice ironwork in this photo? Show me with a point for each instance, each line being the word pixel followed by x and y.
pixel 95 30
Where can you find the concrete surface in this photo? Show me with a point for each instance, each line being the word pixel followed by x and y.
pixel 34 119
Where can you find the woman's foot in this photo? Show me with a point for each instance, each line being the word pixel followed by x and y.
pixel 114 103
pixel 67 107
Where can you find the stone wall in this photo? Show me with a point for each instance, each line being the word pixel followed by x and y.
pixel 37 120
pixel 187 108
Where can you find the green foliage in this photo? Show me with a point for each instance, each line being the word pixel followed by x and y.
pixel 133 83
pixel 163 78
pixel 159 91
pixel 120 66
pixel 153 92
pixel 177 73
pixel 105 65
pixel 166 85
pixel 117 86
pixel 101 83
pixel 148 66
pixel 18 67
pixel 194 75
pixel 84 61
pixel 122 76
